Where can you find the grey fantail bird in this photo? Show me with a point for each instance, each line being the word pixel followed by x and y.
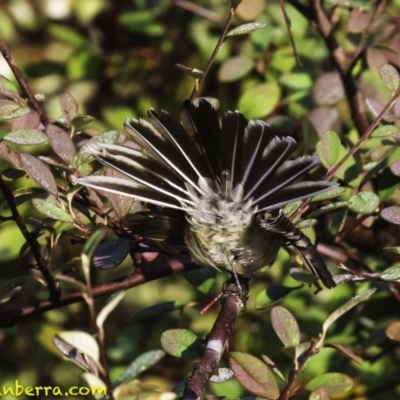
pixel 221 188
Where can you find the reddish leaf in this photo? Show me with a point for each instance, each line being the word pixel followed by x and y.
pixel 61 143
pixel 347 352
pixel 285 326
pixel 39 172
pixel 254 375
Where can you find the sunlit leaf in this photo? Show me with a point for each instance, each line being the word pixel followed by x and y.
pixel 285 326
pixel 254 375
pixel 333 382
pixel 112 303
pixel 390 77
pixel 181 343
pixel 26 137
pixel 364 203
pixel 391 274
pixel 82 341
pixel 246 28
pixel 51 210
pixel 385 130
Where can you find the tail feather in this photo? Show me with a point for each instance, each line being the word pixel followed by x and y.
pixel 291 193
pixel 273 156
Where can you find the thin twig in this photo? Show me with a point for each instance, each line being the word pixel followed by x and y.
pixel 23 84
pixel 196 9
pixel 218 46
pixel 151 272
pixel 43 267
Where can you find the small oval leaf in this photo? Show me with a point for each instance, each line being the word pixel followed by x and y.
pixel 285 326
pixel 26 137
pixel 391 214
pixel 390 77
pixel 39 172
pixel 328 149
pixel 110 253
pixel 181 343
pixel 391 274
pixel 385 130
pixel 333 383
pixel 246 28
pixel 254 375
pixel 364 203
pixel 51 210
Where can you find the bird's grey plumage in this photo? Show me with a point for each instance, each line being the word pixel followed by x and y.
pixel 229 181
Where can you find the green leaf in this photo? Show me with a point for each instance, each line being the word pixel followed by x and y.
pixel 333 382
pixel 39 172
pixel 254 375
pixel 364 203
pixel 11 110
pixel 202 279
pixel 319 394
pixel 26 137
pixel 328 208
pixel 260 100
pixel 114 300
pixel 110 253
pixel 51 211
pixel 181 343
pixel 79 121
pixel 391 274
pixel 390 77
pixel 385 130
pixel 328 149
pixel 139 365
pixel 285 326
pixel 246 28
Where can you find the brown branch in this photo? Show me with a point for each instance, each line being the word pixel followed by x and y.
pixel 23 83
pixel 148 273
pixel 218 46
pixel 32 242
pixel 216 340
